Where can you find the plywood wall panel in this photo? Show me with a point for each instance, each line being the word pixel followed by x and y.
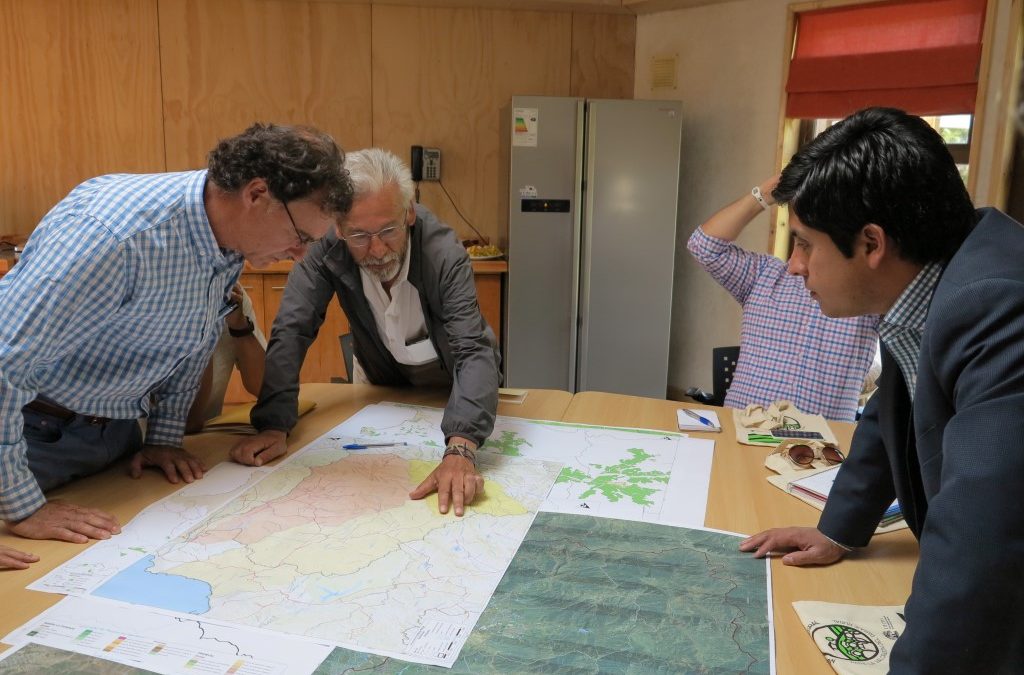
pixel 229 63
pixel 602 55
pixel 80 97
pixel 441 78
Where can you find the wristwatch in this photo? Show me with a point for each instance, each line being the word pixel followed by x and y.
pixel 460 449
pixel 242 332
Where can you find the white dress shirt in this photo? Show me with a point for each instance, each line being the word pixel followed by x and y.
pixel 400 320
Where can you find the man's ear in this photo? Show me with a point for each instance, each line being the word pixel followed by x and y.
pixel 875 244
pixel 255 191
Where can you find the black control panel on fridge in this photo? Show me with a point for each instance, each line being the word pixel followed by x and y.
pixel 545 206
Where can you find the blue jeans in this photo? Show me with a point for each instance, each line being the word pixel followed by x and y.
pixel 60 450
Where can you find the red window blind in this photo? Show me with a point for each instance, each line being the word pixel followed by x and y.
pixel 918 55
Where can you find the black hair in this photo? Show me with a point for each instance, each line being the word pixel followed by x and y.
pixel 881 166
pixel 295 161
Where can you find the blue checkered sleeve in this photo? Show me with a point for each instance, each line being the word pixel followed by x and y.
pixel 49 308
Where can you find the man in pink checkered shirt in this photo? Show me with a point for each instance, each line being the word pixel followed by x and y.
pixel 788 349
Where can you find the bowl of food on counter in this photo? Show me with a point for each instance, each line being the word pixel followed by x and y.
pixel 482 251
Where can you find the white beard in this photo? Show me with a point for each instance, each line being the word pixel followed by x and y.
pixel 384 269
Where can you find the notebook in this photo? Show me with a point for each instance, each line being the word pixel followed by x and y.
pixel 512 395
pixel 236 420
pixel 814 489
pixel 687 421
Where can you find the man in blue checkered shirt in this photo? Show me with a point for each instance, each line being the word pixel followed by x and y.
pixel 116 304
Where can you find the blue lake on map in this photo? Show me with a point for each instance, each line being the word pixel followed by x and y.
pixel 167 591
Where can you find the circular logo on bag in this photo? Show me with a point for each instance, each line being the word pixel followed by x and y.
pixel 838 641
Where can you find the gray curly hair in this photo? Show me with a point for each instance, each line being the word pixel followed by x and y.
pixel 373 169
pixel 295 161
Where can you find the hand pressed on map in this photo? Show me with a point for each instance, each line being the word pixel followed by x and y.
pixel 455 480
pixel 66 522
pixel 263 448
pixel 176 463
pixel 13 559
pixel 812 547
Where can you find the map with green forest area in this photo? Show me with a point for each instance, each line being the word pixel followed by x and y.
pixel 624 480
pixel 635 474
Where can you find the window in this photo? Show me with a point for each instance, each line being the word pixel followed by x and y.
pixel 954 129
pixel 924 56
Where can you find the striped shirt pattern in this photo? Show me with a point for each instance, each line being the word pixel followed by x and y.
pixel 113 310
pixel 902 326
pixel 789 350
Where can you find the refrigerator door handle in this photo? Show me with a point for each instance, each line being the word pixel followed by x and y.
pixel 577 235
pixel 586 222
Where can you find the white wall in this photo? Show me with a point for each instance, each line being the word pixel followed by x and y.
pixel 730 82
pixel 731 57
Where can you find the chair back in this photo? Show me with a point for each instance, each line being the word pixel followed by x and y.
pixel 723 364
pixel 346 353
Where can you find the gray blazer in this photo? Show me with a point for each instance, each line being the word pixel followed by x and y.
pixel 441 271
pixel 955 459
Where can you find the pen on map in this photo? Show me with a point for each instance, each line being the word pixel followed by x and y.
pixel 703 420
pixel 363 446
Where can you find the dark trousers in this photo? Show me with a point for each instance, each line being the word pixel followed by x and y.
pixel 61 450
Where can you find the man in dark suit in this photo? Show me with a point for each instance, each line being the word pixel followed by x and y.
pixel 883 225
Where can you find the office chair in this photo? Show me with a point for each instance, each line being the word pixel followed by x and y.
pixel 723 364
pixel 346 353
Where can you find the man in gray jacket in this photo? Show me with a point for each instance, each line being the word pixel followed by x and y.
pixel 406 286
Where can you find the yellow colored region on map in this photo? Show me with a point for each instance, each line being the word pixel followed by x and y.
pixel 493 502
pixel 287 535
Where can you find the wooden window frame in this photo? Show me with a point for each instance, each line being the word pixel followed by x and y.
pixel 789 130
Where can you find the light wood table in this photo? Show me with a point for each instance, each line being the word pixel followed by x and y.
pixel 114 492
pixel 741 500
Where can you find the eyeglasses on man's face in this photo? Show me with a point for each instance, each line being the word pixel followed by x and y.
pixel 388 235
pixel 304 239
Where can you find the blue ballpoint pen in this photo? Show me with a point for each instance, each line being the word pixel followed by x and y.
pixel 363 446
pixel 703 420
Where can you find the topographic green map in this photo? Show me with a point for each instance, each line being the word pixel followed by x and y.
pixel 598 595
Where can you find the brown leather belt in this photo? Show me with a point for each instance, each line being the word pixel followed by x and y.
pixel 62 413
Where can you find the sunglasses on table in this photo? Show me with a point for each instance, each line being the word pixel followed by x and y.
pixel 803 455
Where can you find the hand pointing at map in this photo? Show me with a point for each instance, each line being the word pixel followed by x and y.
pixel 455 480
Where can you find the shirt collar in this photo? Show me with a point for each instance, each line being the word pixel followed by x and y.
pixel 198 222
pixel 911 308
pixel 403 274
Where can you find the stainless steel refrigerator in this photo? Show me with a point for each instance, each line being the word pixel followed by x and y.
pixel 593 194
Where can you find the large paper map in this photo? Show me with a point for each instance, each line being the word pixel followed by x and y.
pixel 635 474
pixel 596 595
pixel 158 524
pixel 329 546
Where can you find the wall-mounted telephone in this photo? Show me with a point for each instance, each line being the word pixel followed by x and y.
pixel 425 164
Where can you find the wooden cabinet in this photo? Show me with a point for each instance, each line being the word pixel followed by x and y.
pixel 489 275
pixel 324 360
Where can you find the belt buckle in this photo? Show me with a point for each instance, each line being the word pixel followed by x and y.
pixel 95 421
